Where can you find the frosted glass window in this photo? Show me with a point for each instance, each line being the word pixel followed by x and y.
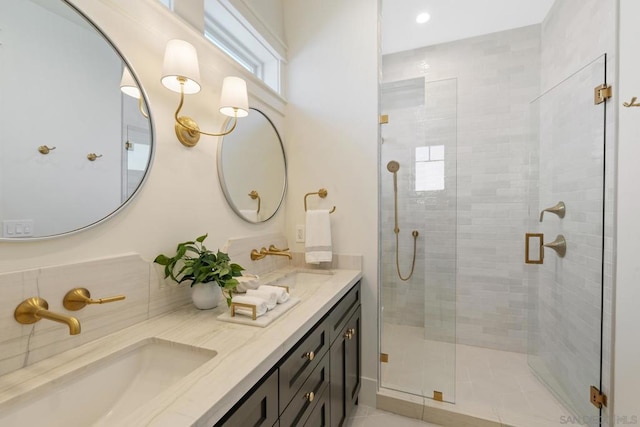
pixel 430 168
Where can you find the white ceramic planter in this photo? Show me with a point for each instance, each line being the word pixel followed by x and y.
pixel 206 295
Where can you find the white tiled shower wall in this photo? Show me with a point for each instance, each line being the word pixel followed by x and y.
pixel 494 79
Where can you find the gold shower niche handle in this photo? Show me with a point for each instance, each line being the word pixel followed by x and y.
pixel 559 209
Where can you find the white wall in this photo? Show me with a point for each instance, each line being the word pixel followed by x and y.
pixel 627 296
pixel 332 137
pixel 182 197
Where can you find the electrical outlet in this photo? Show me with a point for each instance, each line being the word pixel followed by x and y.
pixel 299 233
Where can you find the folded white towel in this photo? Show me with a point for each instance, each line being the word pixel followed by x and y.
pixel 318 237
pixel 247 281
pixel 270 297
pixel 250 214
pixel 283 295
pixel 261 305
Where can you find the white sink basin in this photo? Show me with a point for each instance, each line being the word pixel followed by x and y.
pixel 108 390
pixel 300 278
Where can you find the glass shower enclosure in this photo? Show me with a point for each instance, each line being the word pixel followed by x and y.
pixel 431 306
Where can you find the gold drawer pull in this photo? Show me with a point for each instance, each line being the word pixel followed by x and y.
pixel 309 396
pixel 352 332
pixel 347 334
pixel 309 355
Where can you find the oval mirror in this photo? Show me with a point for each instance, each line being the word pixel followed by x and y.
pixel 252 168
pixel 74 148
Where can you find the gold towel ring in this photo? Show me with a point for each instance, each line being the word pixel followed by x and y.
pixel 322 193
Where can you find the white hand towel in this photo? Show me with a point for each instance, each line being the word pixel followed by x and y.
pixel 318 237
pixel 270 297
pixel 247 281
pixel 250 214
pixel 261 305
pixel 283 295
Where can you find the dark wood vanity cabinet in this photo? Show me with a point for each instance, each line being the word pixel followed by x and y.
pixel 317 383
pixel 345 370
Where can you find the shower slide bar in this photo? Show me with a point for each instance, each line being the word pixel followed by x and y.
pixel 393 167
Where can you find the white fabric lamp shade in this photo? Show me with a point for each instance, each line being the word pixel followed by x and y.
pixel 233 100
pixel 181 61
pixel 127 85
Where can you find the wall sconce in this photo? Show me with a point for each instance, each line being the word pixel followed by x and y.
pixel 181 74
pixel 129 87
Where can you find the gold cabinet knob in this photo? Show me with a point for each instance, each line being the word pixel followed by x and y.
pixel 309 355
pixel 310 396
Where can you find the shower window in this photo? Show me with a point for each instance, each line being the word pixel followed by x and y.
pixel 430 168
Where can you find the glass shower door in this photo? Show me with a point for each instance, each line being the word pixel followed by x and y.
pixel 565 292
pixel 418 310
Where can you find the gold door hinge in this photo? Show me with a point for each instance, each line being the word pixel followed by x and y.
pixel 601 93
pixel 597 398
pixel 384 119
pixel 437 395
pixel 384 357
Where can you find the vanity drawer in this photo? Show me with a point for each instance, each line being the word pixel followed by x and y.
pixel 309 395
pixel 297 366
pixel 343 311
pixel 320 415
pixel 259 408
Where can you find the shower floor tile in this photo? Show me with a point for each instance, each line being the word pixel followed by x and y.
pixel 488 383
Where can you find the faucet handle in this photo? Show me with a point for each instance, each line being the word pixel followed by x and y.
pixel 273 248
pixel 78 298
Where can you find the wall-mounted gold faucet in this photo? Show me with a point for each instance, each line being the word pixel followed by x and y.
pixel 33 309
pixel 78 298
pixel 255 255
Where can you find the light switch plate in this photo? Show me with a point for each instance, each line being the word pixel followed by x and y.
pixel 299 233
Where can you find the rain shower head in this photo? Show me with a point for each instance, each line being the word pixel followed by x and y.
pixel 393 166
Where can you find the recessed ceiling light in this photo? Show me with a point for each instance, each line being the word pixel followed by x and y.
pixel 422 18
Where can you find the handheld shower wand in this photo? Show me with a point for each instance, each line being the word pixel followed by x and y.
pixel 393 167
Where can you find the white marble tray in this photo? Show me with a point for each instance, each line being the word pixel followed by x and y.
pixel 263 320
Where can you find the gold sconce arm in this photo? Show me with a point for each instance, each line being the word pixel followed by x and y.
pixel 141 108
pixel 78 298
pixel 187 130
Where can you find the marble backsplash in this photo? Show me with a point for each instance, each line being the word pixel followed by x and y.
pixel 147 294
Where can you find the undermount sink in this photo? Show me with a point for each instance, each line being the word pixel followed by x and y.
pixel 108 390
pixel 300 278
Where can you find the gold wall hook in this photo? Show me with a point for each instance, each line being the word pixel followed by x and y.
pixel 43 149
pixel 34 309
pixel 322 193
pixel 78 298
pixel 254 195
pixel 559 209
pixel 93 156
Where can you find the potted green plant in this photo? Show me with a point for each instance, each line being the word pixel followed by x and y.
pixel 203 268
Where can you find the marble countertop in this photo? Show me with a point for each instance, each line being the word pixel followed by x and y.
pixel 244 354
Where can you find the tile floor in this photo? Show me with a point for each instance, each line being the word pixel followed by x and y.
pixel 366 416
pixel 487 383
